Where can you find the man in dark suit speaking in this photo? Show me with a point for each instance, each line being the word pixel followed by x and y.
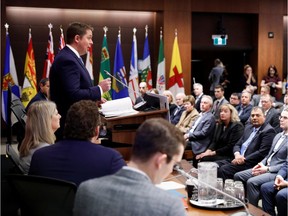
pixel 69 79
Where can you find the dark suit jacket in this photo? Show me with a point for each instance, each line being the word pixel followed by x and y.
pixel 202 136
pixel 197 103
pixel 245 115
pixel 224 141
pixel 76 161
pixel 272 117
pixel 279 156
pixel 38 97
pixel 175 116
pixel 70 82
pixel 216 110
pixel 259 146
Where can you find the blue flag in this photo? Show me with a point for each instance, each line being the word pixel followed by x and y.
pixel 119 86
pixel 9 77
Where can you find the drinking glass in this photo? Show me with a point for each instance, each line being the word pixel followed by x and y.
pixel 219 186
pixel 239 191
pixel 229 189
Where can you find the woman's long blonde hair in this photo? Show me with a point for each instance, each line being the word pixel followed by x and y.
pixel 234 113
pixel 38 127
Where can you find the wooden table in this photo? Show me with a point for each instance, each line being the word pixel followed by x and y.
pixel 203 212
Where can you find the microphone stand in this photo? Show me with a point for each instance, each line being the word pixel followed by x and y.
pixel 195 180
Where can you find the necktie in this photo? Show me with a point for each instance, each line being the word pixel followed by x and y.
pixel 81 60
pixel 245 145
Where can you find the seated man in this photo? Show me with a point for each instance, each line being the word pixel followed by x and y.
pixel 244 109
pixel 201 133
pixel 267 169
pixel 219 100
pixel 77 157
pixel 176 115
pixel 276 192
pixel 131 191
pixel 251 148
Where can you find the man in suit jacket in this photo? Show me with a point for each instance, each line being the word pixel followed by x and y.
pixel 271 114
pixel 244 109
pixel 267 169
pixel 251 148
pixel 43 93
pixel 131 191
pixel 201 133
pixel 276 193
pixel 256 99
pixel 198 92
pixel 69 79
pixel 220 99
pixel 176 115
pixel 77 157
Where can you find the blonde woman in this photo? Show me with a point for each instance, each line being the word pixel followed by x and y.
pixel 189 115
pixel 227 133
pixel 42 121
pixel 171 101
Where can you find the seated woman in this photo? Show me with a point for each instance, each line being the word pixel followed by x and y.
pixel 227 133
pixel 189 115
pixel 272 80
pixel 42 121
pixel 170 97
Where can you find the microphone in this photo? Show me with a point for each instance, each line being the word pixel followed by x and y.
pixel 196 182
pixel 138 106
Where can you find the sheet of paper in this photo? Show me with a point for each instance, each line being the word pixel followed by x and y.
pixel 170 185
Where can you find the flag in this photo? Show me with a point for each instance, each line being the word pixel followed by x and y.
pixel 105 64
pixel 49 54
pixel 176 82
pixel 30 81
pixel 146 73
pixel 9 77
pixel 62 41
pixel 133 77
pixel 119 89
pixel 89 63
pixel 160 84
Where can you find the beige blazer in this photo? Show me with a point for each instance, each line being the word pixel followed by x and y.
pixel 186 120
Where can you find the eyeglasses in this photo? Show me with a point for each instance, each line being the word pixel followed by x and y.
pixel 284 117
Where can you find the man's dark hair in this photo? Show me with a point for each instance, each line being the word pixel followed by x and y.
pixel 82 120
pixel 219 87
pixel 77 28
pixel 236 95
pixel 157 135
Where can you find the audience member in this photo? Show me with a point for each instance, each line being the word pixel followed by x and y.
pixel 131 191
pixel 198 92
pixel 248 79
pixel 77 157
pixel 252 147
pixel 267 169
pixel 271 114
pixel 42 121
pixel 189 115
pixel 274 193
pixel 225 82
pixel 285 104
pixel 220 99
pixel 256 99
pixel 172 105
pixel 143 89
pixel 234 99
pixel 200 135
pixel 215 74
pixel 272 80
pixel 175 116
pixel 69 78
pixel 154 91
pixel 226 135
pixel 43 93
pixel 244 110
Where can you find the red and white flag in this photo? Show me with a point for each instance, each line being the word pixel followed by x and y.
pixel 49 53
pixel 62 40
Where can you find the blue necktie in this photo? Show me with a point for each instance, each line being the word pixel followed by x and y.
pixel 247 142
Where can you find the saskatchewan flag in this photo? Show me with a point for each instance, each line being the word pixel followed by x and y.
pixel 105 66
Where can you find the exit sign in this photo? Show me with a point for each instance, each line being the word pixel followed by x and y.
pixel 219 40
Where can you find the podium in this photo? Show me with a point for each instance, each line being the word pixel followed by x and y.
pixel 123 129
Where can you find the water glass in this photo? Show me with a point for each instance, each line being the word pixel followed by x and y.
pixel 219 186
pixel 229 189
pixel 239 190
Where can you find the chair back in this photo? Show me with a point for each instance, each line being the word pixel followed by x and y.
pixel 19 111
pixel 14 157
pixel 43 196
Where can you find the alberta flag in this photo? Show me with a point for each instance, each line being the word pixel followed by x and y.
pixel 49 54
pixel 160 84
pixel 133 78
pixel 30 81
pixel 105 66
pixel 61 41
pixel 176 82
pixel 9 77
pixel 119 89
pixel 89 63
pixel 145 66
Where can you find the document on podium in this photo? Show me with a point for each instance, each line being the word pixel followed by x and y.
pixel 118 107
